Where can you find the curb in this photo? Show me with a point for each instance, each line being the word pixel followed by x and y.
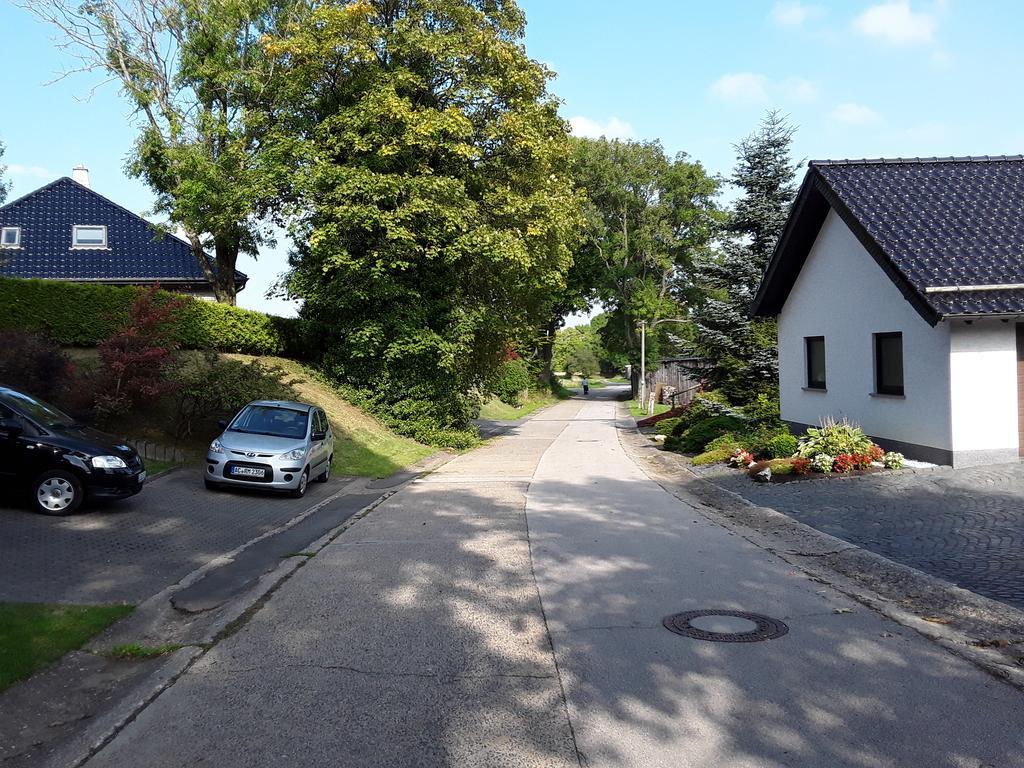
pixel 230 618
pixel 781 531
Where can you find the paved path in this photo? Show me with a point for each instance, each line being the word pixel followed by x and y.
pixel 964 525
pixel 428 635
pixel 131 549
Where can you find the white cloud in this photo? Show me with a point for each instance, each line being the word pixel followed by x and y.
pixel 854 114
pixel 799 89
pixel 613 129
pixel 754 88
pixel 896 23
pixel 31 171
pixel 741 86
pixel 792 13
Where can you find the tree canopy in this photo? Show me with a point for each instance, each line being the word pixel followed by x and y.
pixel 199 78
pixel 433 203
pixel 648 217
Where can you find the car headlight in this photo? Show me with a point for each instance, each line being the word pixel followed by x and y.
pixel 217 447
pixel 297 455
pixel 108 462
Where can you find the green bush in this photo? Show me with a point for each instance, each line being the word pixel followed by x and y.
pixel 665 426
pixel 702 407
pixel 714 456
pixel 781 446
pixel 32 362
pixel 703 432
pixel 763 410
pixel 212 388
pixel 834 438
pixel 82 315
pixel 513 379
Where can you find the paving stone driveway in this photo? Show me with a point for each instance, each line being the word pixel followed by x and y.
pixel 130 550
pixel 964 525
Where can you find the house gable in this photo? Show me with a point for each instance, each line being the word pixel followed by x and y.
pixel 135 251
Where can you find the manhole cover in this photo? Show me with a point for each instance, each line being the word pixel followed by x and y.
pixel 725 626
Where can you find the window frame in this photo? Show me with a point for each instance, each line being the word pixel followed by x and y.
pixel 17 237
pixel 88 246
pixel 881 389
pixel 821 386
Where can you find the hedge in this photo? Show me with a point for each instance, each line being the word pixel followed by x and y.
pixel 81 315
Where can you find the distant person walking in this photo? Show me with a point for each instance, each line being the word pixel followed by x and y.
pixel 586 385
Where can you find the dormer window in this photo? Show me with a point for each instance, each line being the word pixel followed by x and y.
pixel 10 237
pixel 88 236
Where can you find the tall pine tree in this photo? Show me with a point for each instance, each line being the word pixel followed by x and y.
pixel 742 350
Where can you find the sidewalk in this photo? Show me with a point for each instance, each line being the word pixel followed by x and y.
pixel 415 639
pixel 418 638
pixel 614 554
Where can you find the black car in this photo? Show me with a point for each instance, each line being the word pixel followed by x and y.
pixel 59 461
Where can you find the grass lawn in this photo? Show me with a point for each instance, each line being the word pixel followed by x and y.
pixel 637 411
pixel 362 445
pixel 34 634
pixel 499 411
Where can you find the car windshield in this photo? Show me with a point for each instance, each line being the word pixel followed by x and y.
pixel 271 420
pixel 41 413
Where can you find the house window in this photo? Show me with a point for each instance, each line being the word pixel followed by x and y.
pixel 815 346
pixel 10 237
pixel 889 363
pixel 88 236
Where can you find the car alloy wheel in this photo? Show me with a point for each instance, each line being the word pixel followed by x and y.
pixel 326 474
pixel 58 493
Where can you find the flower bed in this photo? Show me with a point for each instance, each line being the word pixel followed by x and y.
pixel 836 448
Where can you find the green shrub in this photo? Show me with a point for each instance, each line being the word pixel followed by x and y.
pixel 32 362
pixel 763 410
pixel 893 460
pixel 781 446
pixel 665 426
pixel 730 440
pixel 714 456
pixel 703 432
pixel 702 407
pixel 834 438
pixel 212 388
pixel 513 379
pixel 82 315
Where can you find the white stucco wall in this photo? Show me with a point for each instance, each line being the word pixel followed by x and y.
pixel 983 384
pixel 843 295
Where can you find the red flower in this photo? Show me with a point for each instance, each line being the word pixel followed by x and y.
pixel 801 466
pixel 844 463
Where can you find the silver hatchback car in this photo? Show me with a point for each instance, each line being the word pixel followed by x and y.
pixel 272 444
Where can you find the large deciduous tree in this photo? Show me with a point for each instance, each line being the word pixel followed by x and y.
pixel 741 350
pixel 433 201
pixel 198 75
pixel 648 217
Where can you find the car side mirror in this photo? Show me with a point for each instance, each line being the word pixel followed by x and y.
pixel 318 436
pixel 10 428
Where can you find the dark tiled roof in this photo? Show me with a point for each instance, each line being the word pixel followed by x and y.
pixel 136 251
pixel 929 223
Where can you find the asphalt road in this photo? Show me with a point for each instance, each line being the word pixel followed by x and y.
pixel 506 611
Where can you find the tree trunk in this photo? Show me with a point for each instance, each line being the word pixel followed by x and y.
pixel 547 352
pixel 226 251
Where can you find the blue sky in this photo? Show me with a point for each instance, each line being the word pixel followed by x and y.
pixel 860 79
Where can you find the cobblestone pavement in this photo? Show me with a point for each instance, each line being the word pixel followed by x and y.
pixel 965 526
pixel 130 550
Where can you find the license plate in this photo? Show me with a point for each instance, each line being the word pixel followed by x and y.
pixel 248 471
pixel 142 477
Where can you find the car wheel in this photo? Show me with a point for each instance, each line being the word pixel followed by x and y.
pixel 299 492
pixel 57 492
pixel 326 474
pixel 210 485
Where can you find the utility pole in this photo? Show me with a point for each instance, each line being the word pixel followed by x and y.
pixel 643 364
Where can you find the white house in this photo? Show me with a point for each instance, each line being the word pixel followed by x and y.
pixel 899 291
